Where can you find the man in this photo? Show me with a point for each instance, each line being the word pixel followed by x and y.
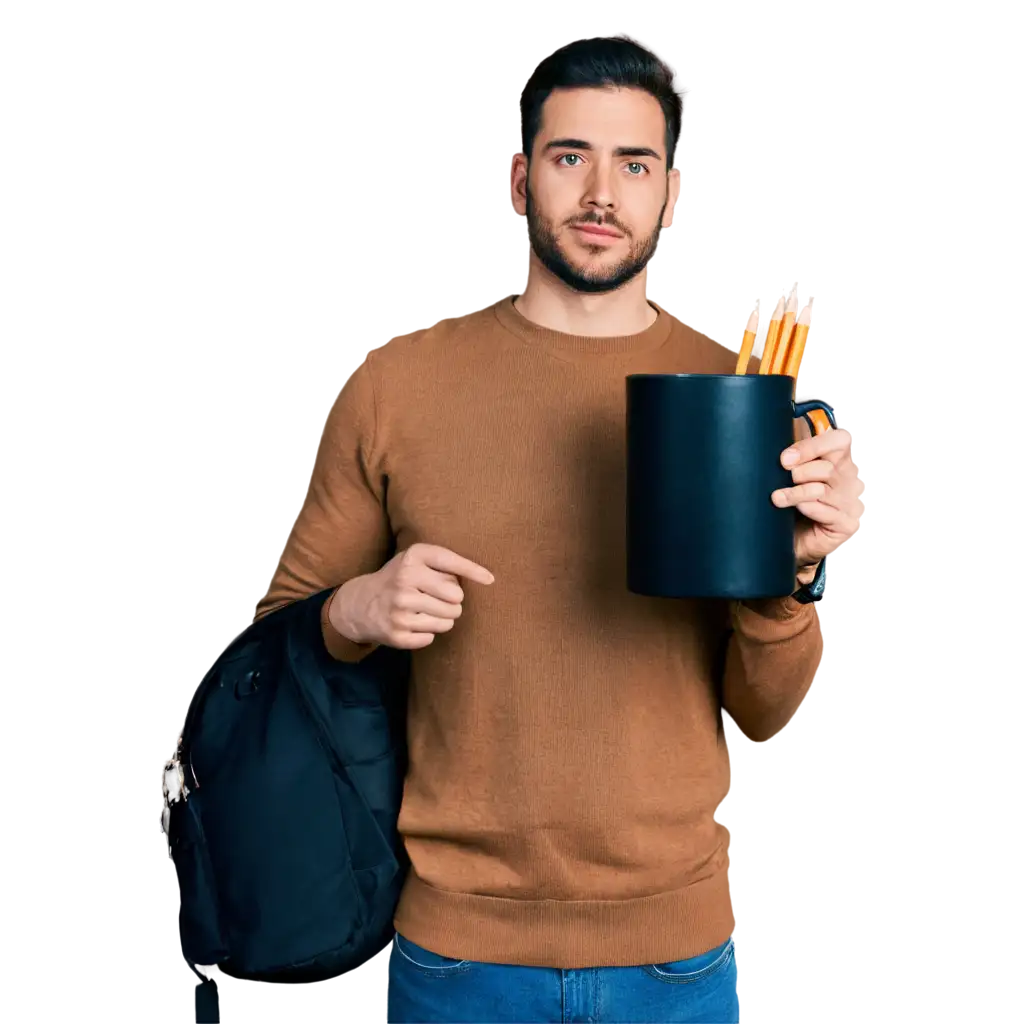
pixel 566 749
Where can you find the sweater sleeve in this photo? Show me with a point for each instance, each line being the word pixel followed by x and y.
pixel 342 529
pixel 772 652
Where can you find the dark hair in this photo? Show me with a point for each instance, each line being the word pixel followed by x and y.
pixel 602 61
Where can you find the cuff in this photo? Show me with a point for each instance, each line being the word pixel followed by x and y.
pixel 767 619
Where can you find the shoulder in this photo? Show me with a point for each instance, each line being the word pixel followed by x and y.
pixel 442 340
pixel 400 372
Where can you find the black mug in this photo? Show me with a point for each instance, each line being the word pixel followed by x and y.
pixel 702 460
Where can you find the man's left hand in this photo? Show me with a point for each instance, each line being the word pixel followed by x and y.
pixel 826 494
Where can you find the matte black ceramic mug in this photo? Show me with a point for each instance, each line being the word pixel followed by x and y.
pixel 702 460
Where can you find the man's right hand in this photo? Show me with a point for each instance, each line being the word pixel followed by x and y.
pixel 408 600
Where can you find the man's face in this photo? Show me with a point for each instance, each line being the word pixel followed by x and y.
pixel 598 161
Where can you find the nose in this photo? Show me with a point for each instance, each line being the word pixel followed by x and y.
pixel 600 194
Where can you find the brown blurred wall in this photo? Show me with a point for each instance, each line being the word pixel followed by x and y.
pixel 203 216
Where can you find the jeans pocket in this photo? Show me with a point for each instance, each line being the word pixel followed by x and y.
pixel 427 961
pixel 695 968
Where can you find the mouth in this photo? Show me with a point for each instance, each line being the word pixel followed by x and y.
pixel 593 233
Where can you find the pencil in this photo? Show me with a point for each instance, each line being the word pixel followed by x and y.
pixel 772 337
pixel 748 340
pixel 785 333
pixel 796 347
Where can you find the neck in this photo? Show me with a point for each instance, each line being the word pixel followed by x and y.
pixel 549 302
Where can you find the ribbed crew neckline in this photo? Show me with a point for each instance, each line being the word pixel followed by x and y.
pixel 545 337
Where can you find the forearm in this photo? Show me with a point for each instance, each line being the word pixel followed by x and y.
pixel 773 651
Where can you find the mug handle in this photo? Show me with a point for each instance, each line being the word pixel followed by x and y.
pixel 806 409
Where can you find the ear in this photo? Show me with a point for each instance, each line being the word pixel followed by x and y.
pixel 673 195
pixel 520 170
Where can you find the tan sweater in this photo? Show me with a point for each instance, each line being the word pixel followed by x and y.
pixel 566 750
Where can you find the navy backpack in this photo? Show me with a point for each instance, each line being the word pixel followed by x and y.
pixel 281 806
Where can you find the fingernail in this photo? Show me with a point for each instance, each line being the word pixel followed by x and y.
pixel 789 456
pixel 779 497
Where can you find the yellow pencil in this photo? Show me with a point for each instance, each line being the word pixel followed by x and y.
pixel 748 340
pixel 772 337
pixel 785 333
pixel 791 367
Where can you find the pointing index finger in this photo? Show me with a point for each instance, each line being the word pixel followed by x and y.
pixel 446 560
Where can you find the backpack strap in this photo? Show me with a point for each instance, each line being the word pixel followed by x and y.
pixel 207 1003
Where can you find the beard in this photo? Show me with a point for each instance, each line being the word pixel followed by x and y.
pixel 545 245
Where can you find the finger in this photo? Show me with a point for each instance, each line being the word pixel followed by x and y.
pixel 444 586
pixel 844 483
pixel 814 491
pixel 419 601
pixel 829 515
pixel 833 445
pixel 819 469
pixel 418 622
pixel 407 641
pixel 444 560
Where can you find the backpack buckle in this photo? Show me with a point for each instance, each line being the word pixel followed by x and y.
pixel 174 789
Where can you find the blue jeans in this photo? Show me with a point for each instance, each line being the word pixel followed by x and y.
pixel 428 988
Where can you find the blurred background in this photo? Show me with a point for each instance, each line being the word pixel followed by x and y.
pixel 210 212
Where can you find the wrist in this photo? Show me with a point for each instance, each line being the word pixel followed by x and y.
pixel 339 612
pixel 805 574
pixel 813 589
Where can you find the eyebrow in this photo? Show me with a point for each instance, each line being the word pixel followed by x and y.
pixel 619 151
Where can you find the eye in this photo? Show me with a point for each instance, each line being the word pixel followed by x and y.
pixel 569 156
pixel 641 167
